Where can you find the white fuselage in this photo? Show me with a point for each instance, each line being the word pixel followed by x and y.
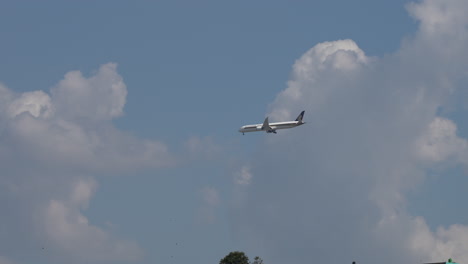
pixel 273 126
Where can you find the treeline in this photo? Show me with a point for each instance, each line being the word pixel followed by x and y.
pixel 239 257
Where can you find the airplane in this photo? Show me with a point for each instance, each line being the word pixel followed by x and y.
pixel 272 127
pixel 450 261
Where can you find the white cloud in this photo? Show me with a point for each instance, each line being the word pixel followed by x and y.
pixel 35 103
pixel 71 231
pixel 337 188
pixel 100 97
pixel 440 17
pixel 51 147
pixel 440 142
pixel 65 126
pixel 444 242
pixel 243 177
pixel 342 57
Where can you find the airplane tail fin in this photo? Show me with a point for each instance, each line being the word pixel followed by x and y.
pixel 301 115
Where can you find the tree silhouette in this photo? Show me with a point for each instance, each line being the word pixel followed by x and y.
pixel 235 257
pixel 257 260
pixel 239 257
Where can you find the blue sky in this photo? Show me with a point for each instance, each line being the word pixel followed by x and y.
pixel 119 142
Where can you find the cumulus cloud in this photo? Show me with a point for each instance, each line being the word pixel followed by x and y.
pixel 336 188
pixel 65 126
pixel 433 245
pixel 69 230
pixel 440 142
pixel 100 97
pixel 35 103
pixel 52 146
pixel 341 56
pixel 440 17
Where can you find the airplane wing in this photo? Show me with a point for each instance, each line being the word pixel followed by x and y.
pixel 266 125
